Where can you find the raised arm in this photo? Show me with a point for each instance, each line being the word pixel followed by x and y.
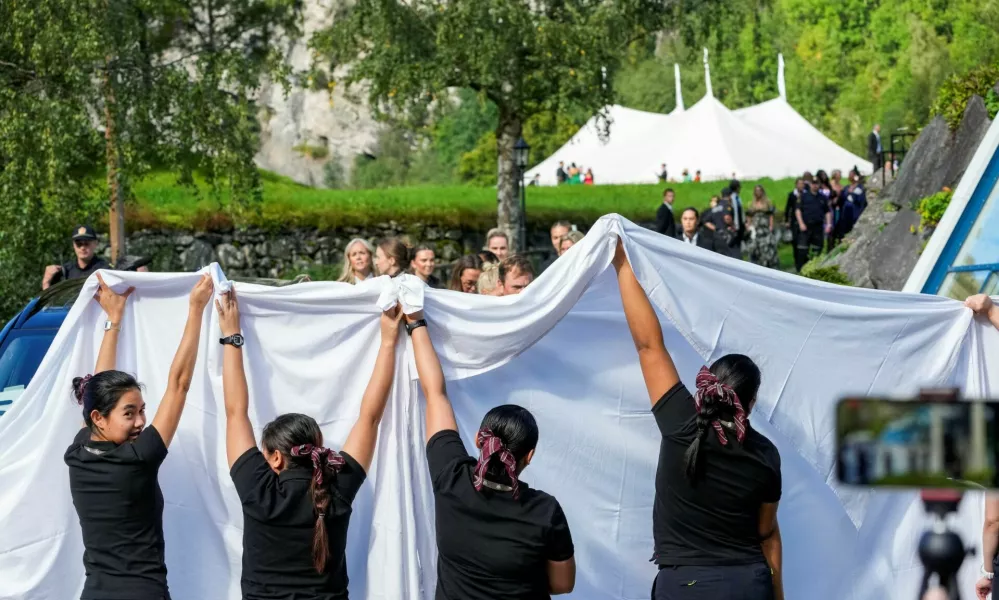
pixel 114 307
pixel 360 442
pixel 440 415
pixel 772 546
pixel 182 369
pixel 990 545
pixel 238 430
pixel 657 365
pixel 984 307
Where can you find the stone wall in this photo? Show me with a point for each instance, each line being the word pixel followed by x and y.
pixel 284 254
pixel 886 243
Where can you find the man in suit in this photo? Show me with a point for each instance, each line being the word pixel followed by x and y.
pixel 665 224
pixel 692 233
pixel 738 215
pixel 875 152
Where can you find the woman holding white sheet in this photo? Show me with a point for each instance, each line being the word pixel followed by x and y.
pixel 714 519
pixel 496 536
pixel 296 494
pixel 114 460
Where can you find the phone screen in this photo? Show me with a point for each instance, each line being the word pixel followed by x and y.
pixel 916 444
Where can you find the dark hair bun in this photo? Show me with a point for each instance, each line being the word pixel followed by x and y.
pixel 79 385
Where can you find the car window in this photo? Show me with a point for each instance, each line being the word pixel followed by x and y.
pixel 19 359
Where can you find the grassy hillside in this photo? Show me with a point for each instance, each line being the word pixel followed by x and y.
pixel 162 203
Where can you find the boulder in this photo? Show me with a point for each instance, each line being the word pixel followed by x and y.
pixel 199 254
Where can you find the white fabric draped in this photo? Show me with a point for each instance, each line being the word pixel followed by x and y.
pixel 562 350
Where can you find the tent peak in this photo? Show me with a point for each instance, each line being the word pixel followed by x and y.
pixel 781 86
pixel 707 75
pixel 679 91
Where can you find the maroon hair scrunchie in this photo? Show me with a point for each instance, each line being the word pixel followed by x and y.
pixel 708 386
pixel 493 446
pixel 332 459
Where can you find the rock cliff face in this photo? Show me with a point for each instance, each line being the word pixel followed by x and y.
pixel 312 115
pixel 886 242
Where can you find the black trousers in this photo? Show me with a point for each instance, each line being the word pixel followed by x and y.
pixel 733 582
pixel 808 243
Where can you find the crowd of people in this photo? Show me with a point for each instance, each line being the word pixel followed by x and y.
pixel 820 211
pixel 493 271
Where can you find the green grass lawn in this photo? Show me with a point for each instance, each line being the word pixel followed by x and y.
pixel 162 203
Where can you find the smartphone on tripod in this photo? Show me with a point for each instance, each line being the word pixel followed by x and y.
pixel 936 443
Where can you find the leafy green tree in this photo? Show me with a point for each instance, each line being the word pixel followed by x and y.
pixel 119 87
pixel 526 57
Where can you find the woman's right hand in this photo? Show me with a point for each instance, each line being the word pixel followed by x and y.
pixel 112 303
pixel 413 318
pixel 983 588
pixel 228 309
pixel 202 293
pixel 390 324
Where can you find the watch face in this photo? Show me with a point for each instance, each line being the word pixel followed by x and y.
pixel 237 340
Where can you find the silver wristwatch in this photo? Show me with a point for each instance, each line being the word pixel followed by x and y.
pixel 108 326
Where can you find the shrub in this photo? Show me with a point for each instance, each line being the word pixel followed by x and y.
pixel 954 94
pixel 316 152
pixel 813 269
pixel 932 208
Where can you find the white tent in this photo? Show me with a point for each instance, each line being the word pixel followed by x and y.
pixel 784 124
pixel 767 140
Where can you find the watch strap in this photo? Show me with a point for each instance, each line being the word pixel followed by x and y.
pixel 986 574
pixel 231 340
pixel 110 325
pixel 411 327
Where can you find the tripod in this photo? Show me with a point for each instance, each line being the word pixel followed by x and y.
pixel 941 550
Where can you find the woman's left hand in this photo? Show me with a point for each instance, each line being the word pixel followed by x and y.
pixel 112 303
pixel 228 309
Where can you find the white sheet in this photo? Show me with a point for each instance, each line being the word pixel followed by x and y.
pixel 561 349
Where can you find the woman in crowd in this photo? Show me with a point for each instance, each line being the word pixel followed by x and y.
pixel 423 264
pixel 983 306
pixel 568 241
pixel 762 246
pixel 465 274
pixel 296 494
pixel 114 460
pixel 588 178
pixel 718 482
pixel 496 536
pixel 498 243
pixel 488 283
pixel 357 259
pixel 391 257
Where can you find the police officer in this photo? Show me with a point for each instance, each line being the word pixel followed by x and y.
pixel 87 261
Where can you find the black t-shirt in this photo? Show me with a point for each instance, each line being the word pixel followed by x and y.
pixel 118 500
pixel 490 545
pixel 716 521
pixel 813 207
pixel 279 519
pixel 72 270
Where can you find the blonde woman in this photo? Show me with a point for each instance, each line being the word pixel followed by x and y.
pixel 488 283
pixel 762 243
pixel 568 241
pixel 357 261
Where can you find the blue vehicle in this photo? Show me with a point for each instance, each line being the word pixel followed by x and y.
pixel 26 338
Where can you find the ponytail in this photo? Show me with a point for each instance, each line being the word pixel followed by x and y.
pixel 493 448
pixel 325 464
pixel 716 402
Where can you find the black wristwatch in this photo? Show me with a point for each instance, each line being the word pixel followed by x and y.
pixel 235 340
pixel 411 327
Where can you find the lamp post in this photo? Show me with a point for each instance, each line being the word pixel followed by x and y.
pixel 521 156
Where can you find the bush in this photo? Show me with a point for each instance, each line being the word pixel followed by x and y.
pixel 829 273
pixel 932 208
pixel 954 94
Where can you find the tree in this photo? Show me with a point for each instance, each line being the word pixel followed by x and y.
pixel 525 57
pixel 121 87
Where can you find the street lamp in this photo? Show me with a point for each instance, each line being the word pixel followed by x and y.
pixel 521 156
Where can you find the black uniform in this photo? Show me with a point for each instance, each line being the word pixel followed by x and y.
pixel 279 519
pixel 117 496
pixel 707 539
pixel 489 544
pixel 72 270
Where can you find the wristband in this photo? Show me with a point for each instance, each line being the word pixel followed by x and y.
pixel 109 325
pixel 411 327
pixel 987 574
